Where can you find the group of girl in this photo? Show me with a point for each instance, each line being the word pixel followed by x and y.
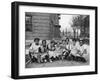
pixel 66 49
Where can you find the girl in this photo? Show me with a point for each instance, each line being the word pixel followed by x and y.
pixel 44 51
pixel 51 49
pixel 34 51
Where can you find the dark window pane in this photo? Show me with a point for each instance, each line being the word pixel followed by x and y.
pixel 28 22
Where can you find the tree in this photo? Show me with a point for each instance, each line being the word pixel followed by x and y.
pixel 81 22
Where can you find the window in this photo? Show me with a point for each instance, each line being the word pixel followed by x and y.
pixel 28 22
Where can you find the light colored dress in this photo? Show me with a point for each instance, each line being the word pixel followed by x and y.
pixel 84 49
pixel 58 51
pixel 51 51
pixel 74 50
pixel 34 49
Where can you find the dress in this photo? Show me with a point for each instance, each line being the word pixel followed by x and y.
pixel 51 50
pixel 34 49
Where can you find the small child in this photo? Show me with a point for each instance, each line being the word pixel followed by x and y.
pixel 34 50
pixel 83 52
pixel 44 51
pixel 58 51
pixel 66 49
pixel 51 49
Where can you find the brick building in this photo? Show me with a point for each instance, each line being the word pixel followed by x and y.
pixel 42 25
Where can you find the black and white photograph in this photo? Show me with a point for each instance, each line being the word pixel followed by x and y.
pixel 50 40
pixel 54 40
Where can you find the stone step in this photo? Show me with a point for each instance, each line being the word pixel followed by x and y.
pixel 44 21
pixel 41 37
pixel 37 14
pixel 41 28
pixel 41 17
pixel 41 24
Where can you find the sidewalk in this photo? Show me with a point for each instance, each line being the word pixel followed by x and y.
pixel 56 64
